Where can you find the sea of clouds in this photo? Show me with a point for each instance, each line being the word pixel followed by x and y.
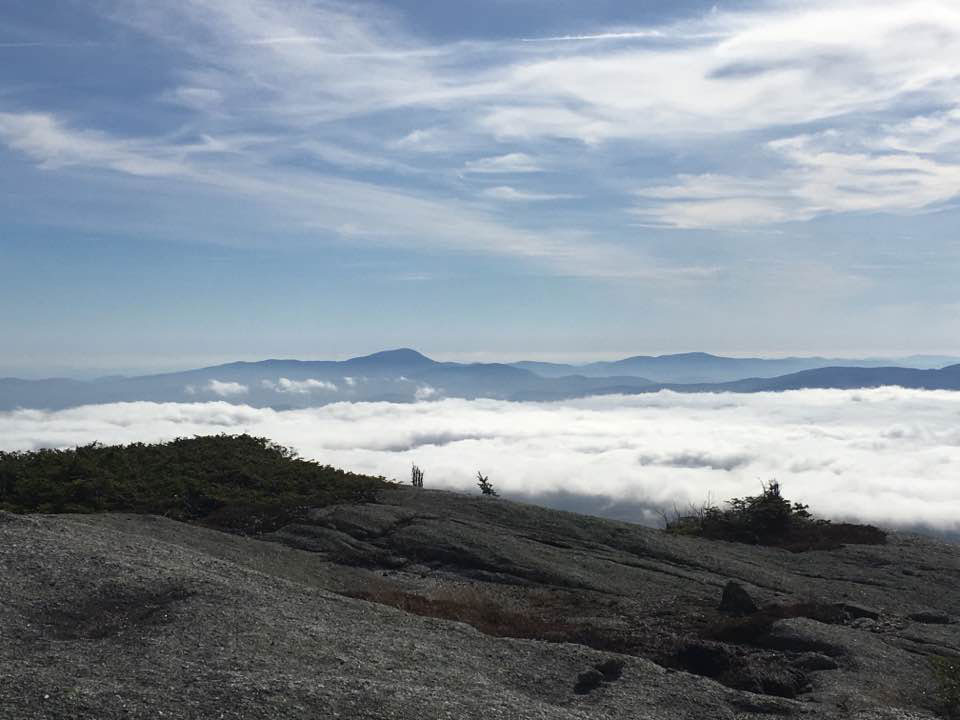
pixel 889 455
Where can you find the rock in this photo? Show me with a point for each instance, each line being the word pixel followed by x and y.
pixel 859 611
pixel 338 546
pixel 804 635
pixel 588 681
pixel 496 611
pixel 736 600
pixel 761 672
pixel 12 518
pixel 930 617
pixel 704 658
pixel 611 669
pixel 779 679
pixel 814 661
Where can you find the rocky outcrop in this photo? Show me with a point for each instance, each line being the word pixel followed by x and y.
pixel 736 601
pixel 475 608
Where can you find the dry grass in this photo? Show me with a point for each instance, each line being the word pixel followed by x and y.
pixel 545 619
pixel 474 608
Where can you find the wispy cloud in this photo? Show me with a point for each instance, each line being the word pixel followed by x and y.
pixel 309 200
pixel 510 163
pixel 632 35
pixel 823 173
pixel 828 121
pixel 46 44
pixel 510 194
pixel 45 139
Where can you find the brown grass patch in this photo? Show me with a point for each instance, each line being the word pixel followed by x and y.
pixel 476 610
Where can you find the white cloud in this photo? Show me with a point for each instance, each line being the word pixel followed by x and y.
pixel 298 67
pixel 46 140
pixel 936 132
pixel 425 392
pixel 511 163
pixel 352 159
pixel 299 387
pixel 774 65
pixel 350 209
pixel 509 194
pixel 887 455
pixel 817 174
pixel 600 36
pixel 196 98
pixel 427 140
pixel 226 389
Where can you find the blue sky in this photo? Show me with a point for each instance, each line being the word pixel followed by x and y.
pixel 193 181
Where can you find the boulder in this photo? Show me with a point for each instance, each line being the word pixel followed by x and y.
pixel 587 681
pixel 736 600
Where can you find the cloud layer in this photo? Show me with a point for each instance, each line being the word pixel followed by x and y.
pixel 889 455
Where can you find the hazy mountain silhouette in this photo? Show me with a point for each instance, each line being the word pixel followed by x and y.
pixel 406 375
pixel 947 378
pixel 700 367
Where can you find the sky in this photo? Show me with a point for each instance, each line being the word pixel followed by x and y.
pixel 887 456
pixel 196 181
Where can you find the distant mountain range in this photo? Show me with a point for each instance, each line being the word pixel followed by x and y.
pixel 699 367
pixel 406 376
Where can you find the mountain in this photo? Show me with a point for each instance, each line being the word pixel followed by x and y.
pixel 402 375
pixel 699 367
pixel 424 604
pixel 831 378
pixel 854 377
pixel 407 376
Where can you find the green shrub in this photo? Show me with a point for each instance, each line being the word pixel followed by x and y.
pixel 486 487
pixel 770 519
pixel 233 482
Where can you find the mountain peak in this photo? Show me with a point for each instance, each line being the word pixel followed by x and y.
pixel 400 356
pixel 690 356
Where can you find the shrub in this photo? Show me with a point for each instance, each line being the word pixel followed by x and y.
pixel 770 519
pixel 416 477
pixel 233 482
pixel 486 487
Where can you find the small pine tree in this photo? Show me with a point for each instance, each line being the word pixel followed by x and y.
pixel 486 487
pixel 416 477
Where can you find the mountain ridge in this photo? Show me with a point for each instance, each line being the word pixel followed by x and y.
pixel 406 375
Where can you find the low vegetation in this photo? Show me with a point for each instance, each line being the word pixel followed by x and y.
pixel 946 673
pixel 416 477
pixel 486 487
pixel 238 483
pixel 770 519
pixel 472 608
pixel 546 618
